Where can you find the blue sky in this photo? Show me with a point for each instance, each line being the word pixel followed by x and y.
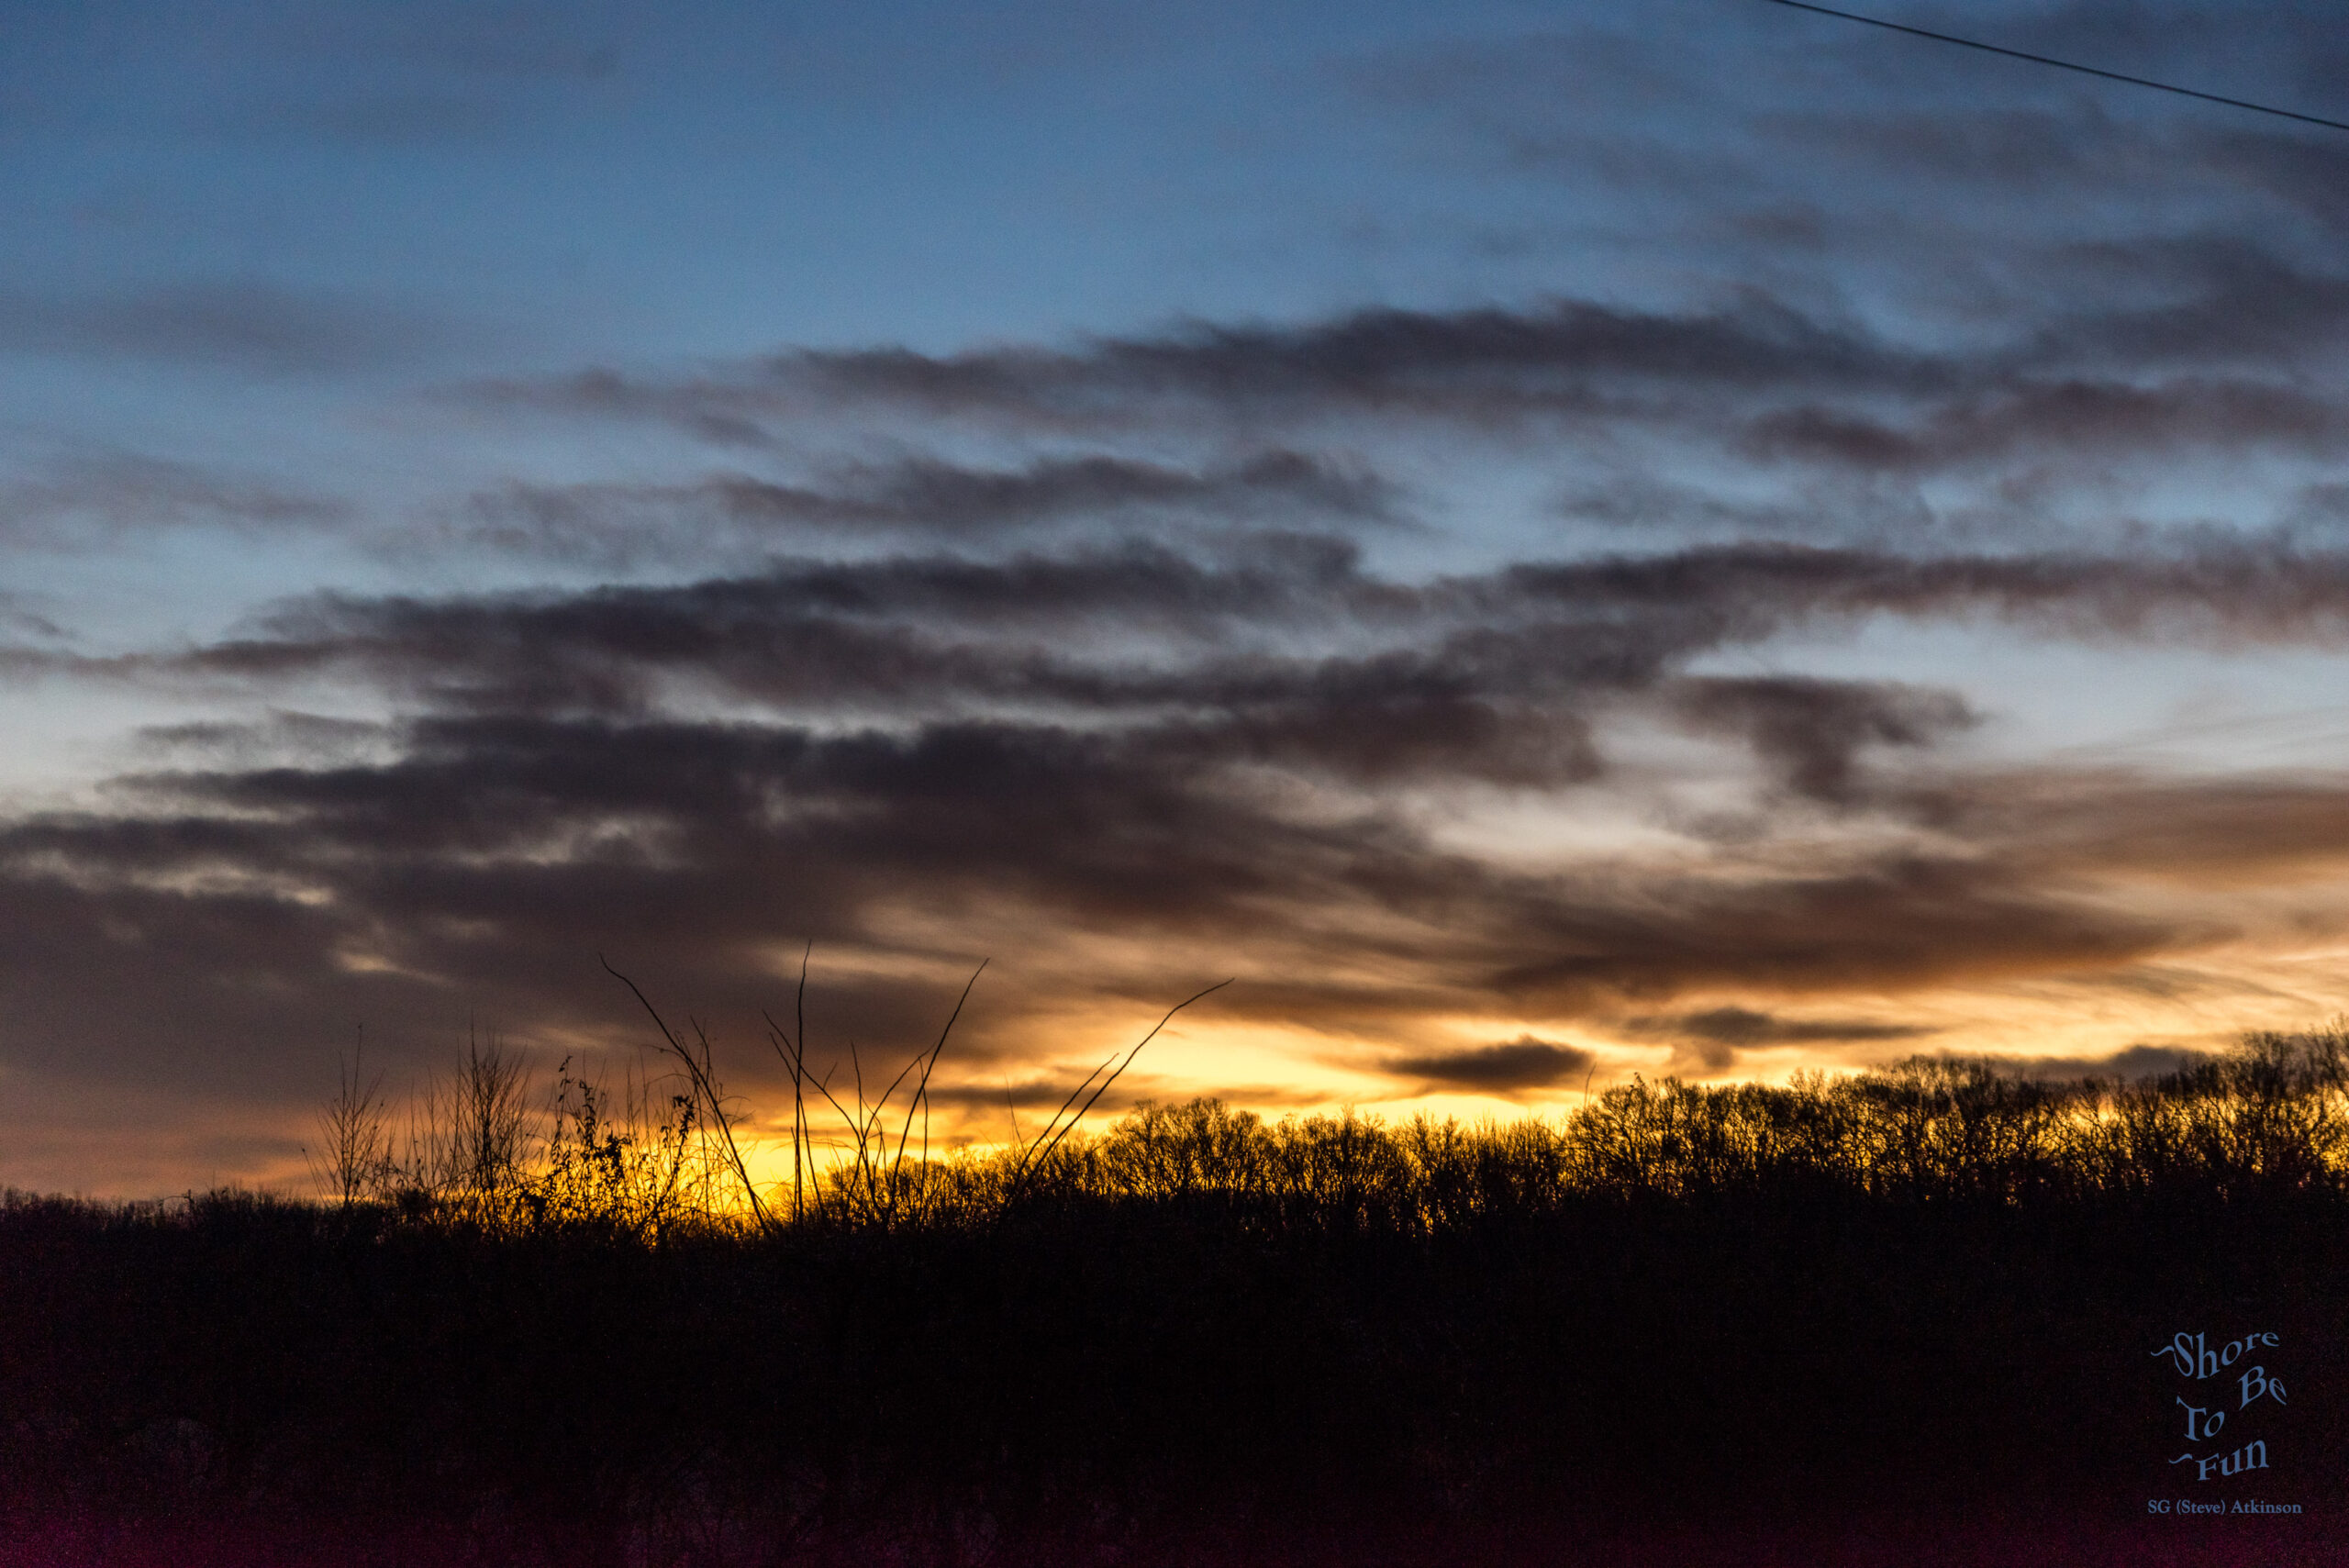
pixel 1548 539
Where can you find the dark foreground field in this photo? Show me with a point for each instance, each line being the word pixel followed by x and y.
pixel 1914 1317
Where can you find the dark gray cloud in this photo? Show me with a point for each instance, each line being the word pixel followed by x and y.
pixel 2232 310
pixel 1558 356
pixel 1878 288
pixel 1032 750
pixel 1744 1026
pixel 2078 419
pixel 1812 730
pixel 2190 302
pixel 96 500
pixel 312 737
pixel 923 497
pixel 1284 622
pixel 1893 921
pixel 1571 358
pixel 490 858
pixel 2222 587
pixel 2294 43
pixel 2213 358
pixel 2305 174
pixel 1710 1041
pixel 1506 1069
pixel 29 616
pixel 1856 118
pixel 2249 829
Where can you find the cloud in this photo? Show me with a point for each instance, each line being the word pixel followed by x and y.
pixel 1283 637
pixel 2249 829
pixel 2199 301
pixel 2305 174
pixel 2223 588
pixel 1810 730
pixel 1891 921
pixel 490 856
pixel 1505 1069
pixel 1710 1041
pixel 247 326
pixel 1465 360
pixel 2077 418
pixel 287 734
pixel 96 500
pixel 32 616
pixel 1744 1026
pixel 1569 358
pixel 264 886
pixel 2217 359
pixel 618 525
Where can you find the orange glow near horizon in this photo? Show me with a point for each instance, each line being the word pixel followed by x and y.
pixel 1275 1071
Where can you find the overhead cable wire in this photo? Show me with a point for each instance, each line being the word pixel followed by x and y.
pixel 2068 65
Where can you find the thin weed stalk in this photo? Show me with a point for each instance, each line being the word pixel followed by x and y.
pixel 700 1072
pixel 1033 1156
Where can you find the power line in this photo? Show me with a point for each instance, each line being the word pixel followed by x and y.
pixel 2067 65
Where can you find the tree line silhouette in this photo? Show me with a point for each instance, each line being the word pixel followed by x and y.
pixel 1915 1301
pixel 2268 1118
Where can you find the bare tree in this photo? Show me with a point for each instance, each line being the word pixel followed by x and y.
pixel 353 1128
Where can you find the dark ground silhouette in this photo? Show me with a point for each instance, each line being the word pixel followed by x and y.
pixel 1906 1316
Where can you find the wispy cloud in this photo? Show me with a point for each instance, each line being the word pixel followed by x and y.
pixel 748 515
pixel 1712 1040
pixel 246 326
pixel 93 501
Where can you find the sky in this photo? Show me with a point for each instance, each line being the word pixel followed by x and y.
pixel 1544 542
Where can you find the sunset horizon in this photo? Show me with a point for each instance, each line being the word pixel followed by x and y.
pixel 1546 546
